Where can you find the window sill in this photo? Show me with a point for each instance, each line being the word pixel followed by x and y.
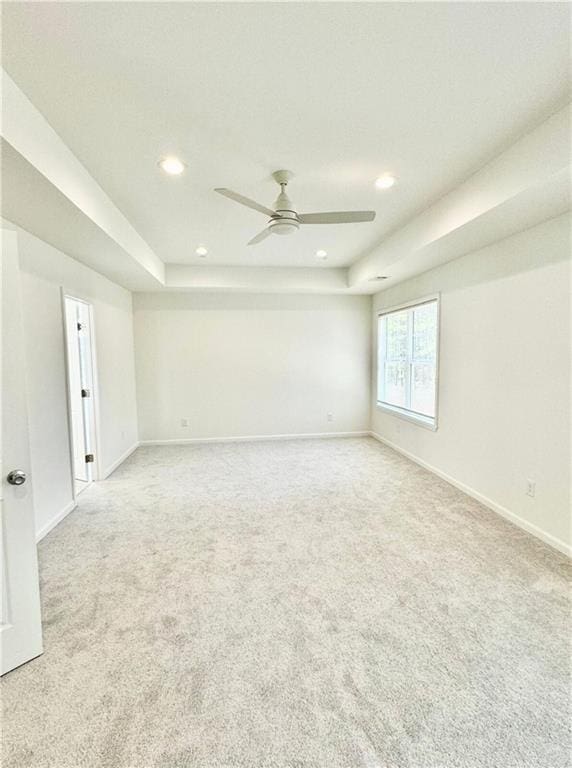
pixel 422 421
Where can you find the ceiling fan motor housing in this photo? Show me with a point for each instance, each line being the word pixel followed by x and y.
pixel 284 223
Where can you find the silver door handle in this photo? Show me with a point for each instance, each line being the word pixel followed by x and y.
pixel 16 477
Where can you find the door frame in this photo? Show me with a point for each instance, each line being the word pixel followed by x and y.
pixel 96 466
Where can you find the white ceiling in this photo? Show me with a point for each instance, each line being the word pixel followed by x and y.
pixel 337 92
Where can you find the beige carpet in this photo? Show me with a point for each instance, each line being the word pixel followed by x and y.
pixel 306 603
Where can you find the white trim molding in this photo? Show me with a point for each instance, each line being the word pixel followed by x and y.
pixel 254 438
pixel 421 421
pixel 55 520
pixel 112 467
pixel 513 518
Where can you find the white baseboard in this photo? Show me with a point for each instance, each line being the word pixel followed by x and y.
pixel 120 460
pixel 55 520
pixel 547 538
pixel 73 504
pixel 253 438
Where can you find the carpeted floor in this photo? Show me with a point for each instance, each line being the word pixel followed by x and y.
pixel 319 603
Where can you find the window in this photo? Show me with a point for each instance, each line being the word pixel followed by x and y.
pixel 407 361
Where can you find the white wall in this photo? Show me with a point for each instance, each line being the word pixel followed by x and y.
pixel 251 365
pixel 44 271
pixel 504 395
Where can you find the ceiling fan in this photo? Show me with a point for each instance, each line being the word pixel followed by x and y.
pixel 284 220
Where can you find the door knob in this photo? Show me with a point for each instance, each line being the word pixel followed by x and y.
pixel 16 477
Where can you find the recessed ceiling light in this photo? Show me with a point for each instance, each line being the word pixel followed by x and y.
pixel 201 251
pixel 172 165
pixel 321 254
pixel 386 181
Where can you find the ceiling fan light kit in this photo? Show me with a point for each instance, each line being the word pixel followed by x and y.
pixel 284 219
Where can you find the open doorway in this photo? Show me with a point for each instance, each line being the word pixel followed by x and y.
pixel 81 381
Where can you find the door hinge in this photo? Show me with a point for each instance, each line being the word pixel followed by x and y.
pixel 86 393
pixel 79 326
pixel 89 458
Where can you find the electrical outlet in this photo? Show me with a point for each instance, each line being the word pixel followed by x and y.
pixel 330 416
pixel 184 422
pixel 531 488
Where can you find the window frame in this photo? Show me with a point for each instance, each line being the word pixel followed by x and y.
pixel 427 422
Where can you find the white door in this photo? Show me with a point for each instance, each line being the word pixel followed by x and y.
pixel 20 620
pixel 80 388
pixel 86 376
pixel 75 390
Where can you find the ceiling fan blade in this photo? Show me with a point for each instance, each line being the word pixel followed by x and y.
pixel 245 201
pixel 260 237
pixel 336 217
